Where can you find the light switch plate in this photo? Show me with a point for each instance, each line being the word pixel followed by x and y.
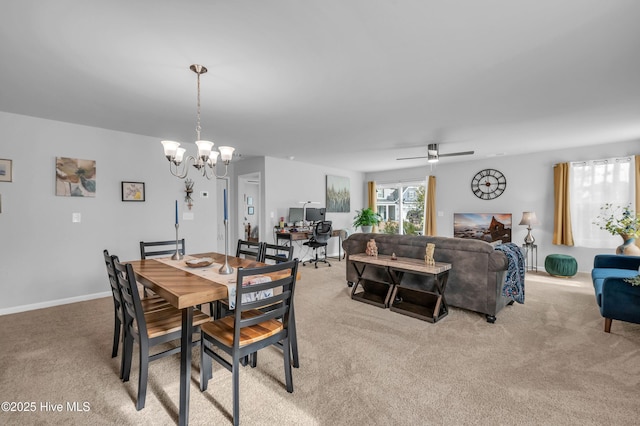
pixel 187 216
pixel 76 217
pixel 204 194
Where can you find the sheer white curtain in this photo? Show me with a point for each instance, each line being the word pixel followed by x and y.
pixel 592 185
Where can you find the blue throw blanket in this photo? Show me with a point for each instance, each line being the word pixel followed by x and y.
pixel 514 281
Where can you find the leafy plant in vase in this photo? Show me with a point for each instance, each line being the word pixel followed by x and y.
pixel 621 221
pixel 365 219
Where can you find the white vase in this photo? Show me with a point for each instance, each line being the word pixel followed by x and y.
pixel 366 229
pixel 629 247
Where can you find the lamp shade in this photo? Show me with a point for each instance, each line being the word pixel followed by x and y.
pixel 226 153
pixel 170 148
pixel 179 155
pixel 204 149
pixel 529 218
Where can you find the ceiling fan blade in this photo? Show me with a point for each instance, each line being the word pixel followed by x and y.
pixel 453 154
pixel 410 158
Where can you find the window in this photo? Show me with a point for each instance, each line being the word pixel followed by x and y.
pixel 401 206
pixel 592 185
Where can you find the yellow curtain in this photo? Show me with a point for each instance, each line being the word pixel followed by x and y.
pixel 430 208
pixel 373 197
pixel 562 233
pixel 637 165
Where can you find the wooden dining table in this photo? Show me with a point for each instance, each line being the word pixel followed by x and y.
pixel 185 289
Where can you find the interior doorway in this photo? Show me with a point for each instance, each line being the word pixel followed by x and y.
pixel 249 206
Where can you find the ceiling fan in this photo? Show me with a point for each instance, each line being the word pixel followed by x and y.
pixel 433 155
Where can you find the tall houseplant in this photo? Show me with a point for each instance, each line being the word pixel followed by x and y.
pixel 365 219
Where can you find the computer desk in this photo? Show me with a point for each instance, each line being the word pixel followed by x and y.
pixel 288 237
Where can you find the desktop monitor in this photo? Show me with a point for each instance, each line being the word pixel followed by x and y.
pixel 295 214
pixel 314 215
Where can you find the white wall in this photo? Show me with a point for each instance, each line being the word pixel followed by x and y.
pixel 289 182
pixel 529 188
pixel 45 257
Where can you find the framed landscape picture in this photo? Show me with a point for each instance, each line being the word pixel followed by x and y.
pixel 338 194
pixel 6 170
pixel 133 191
pixel 487 227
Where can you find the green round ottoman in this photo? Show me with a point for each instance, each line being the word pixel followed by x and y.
pixel 561 265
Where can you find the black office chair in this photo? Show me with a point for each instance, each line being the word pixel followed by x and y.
pixel 320 238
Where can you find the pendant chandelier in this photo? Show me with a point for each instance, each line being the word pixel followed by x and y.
pixel 206 160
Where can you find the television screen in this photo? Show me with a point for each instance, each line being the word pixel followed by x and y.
pixel 483 226
pixel 295 214
pixel 315 215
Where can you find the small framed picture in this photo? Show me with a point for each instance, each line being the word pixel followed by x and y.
pixel 250 201
pixel 250 210
pixel 132 191
pixel 6 170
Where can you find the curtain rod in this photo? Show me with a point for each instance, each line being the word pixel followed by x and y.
pixel 602 161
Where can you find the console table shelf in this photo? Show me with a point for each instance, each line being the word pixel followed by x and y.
pixel 427 305
pixel 377 293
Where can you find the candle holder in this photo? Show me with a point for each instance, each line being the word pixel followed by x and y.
pixel 177 255
pixel 226 269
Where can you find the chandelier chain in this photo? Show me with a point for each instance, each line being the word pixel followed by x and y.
pixel 198 127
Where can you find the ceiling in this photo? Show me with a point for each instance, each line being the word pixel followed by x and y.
pixel 350 84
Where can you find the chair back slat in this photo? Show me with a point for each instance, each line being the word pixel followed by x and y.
pixel 276 253
pixel 160 248
pixel 113 282
pixel 249 250
pixel 134 314
pixel 279 304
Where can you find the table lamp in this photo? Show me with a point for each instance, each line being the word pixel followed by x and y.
pixel 529 218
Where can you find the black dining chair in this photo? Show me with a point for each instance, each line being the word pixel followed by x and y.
pixel 249 249
pixel 274 253
pixel 251 327
pixel 147 329
pixel 160 248
pixel 319 240
pixel 148 304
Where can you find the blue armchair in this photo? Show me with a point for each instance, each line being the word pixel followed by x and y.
pixel 616 298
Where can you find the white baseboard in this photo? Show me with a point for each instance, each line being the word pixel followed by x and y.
pixel 50 303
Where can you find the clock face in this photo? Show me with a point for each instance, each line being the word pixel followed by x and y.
pixel 488 184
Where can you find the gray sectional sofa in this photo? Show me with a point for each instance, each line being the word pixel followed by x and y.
pixel 477 273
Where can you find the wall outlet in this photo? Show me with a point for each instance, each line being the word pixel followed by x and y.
pixel 187 216
pixel 204 194
pixel 76 217
pixel 440 214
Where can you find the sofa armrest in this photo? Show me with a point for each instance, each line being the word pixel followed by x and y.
pixel 616 261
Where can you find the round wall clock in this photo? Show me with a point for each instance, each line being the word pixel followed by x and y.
pixel 488 184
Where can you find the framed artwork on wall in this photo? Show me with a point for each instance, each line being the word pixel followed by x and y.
pixel 6 170
pixel 75 177
pixel 250 210
pixel 133 191
pixel 338 194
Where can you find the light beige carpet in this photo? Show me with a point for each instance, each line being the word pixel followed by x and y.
pixel 545 362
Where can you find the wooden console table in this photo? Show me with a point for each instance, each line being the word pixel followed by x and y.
pixel 427 305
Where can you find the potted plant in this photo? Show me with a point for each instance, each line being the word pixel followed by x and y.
pixel 621 221
pixel 365 219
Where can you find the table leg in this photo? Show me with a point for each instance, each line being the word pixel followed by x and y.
pixel 185 364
